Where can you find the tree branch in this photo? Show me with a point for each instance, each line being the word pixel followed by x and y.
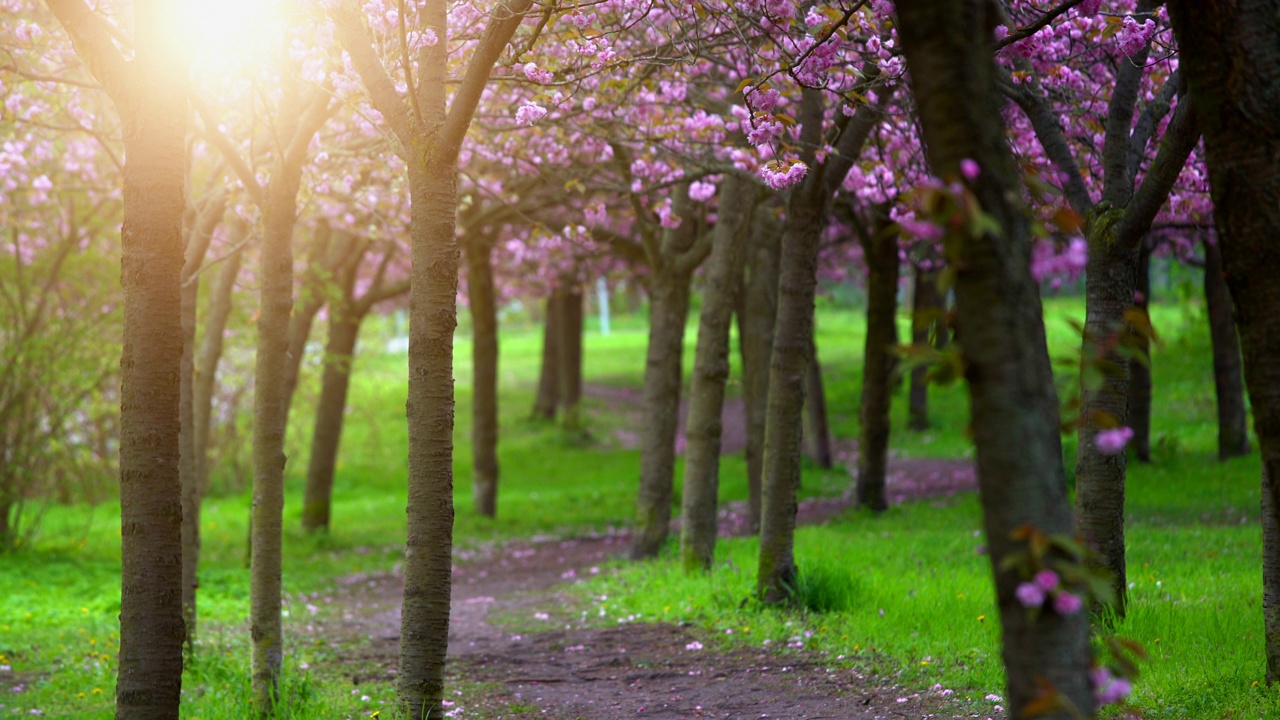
pixel 1049 132
pixel 209 129
pixel 503 21
pixel 1145 128
pixel 350 30
pixel 1180 139
pixel 1036 26
pixel 92 41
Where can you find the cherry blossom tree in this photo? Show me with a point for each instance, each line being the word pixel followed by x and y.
pixel 1230 53
pixel 149 92
pixel 999 323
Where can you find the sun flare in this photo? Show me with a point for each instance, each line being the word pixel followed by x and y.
pixel 229 36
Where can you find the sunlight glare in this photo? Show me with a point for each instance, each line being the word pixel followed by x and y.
pixel 230 36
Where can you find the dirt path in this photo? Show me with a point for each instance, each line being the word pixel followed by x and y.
pixel 571 671
pixel 568 670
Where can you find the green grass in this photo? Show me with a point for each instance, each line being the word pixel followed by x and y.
pixel 1193 544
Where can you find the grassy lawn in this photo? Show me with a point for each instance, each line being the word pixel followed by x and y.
pixel 906 594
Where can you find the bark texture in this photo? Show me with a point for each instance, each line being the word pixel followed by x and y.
pixel 217 313
pixel 484 359
pixel 270 408
pixel 1140 372
pixel 815 405
pixel 880 249
pixel 569 365
pixel 759 305
pixel 344 330
pixel 1013 403
pixel 668 310
pixel 1230 52
pixel 548 396
pixel 150 95
pixel 1114 228
pixel 807 210
pixel 1100 477
pixel 792 346
pixel 1228 381
pixel 928 328
pixel 710 372
pixel 198 235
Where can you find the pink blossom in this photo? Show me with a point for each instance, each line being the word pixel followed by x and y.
pixel 969 169
pixel 1090 7
pixel 695 645
pixel 530 113
pixel 780 174
pixel 1134 37
pixel 536 74
pixel 921 229
pixel 1065 603
pixel 701 191
pixel 1030 595
pixel 1110 442
pixel 1046 579
pixel 1107 688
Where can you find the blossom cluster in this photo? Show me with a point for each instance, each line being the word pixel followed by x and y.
pixel 1045 589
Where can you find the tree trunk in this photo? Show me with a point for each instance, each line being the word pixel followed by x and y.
pixel 880 248
pixel 149 679
pixel 544 404
pixel 792 348
pixel 187 473
pixel 1233 418
pixel 815 406
pixel 668 309
pixel 1230 52
pixel 326 254
pixel 1013 403
pixel 927 329
pixel 484 359
pixel 198 236
pixel 1140 373
pixel 755 333
pixel 1104 401
pixel 344 330
pixel 270 408
pixel 217 313
pixel 424 626
pixel 710 372
pixel 570 358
